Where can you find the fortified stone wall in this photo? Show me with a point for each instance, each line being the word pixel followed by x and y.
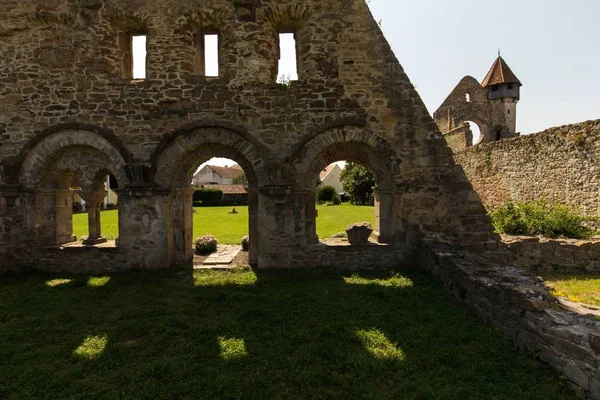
pixel 70 108
pixel 560 164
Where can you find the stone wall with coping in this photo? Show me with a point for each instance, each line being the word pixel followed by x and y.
pixel 560 164
pixel 543 255
pixel 520 307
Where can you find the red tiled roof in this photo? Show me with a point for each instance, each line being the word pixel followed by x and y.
pixel 326 171
pixel 500 73
pixel 228 189
pixel 226 172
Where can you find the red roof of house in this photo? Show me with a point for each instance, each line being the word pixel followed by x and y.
pixel 326 171
pixel 500 73
pixel 227 172
pixel 228 189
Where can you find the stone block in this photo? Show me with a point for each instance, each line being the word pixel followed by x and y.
pixel 359 233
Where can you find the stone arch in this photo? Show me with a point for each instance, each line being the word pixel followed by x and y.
pixel 179 154
pixel 54 145
pixel 350 143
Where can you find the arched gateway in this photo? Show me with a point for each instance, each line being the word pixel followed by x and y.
pixel 72 118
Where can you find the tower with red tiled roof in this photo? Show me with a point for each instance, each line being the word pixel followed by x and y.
pixel 503 86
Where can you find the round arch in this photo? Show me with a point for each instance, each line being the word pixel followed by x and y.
pixel 179 155
pixel 39 155
pixel 350 143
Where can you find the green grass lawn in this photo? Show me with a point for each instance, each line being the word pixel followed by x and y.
pixel 579 288
pixel 246 335
pixel 230 228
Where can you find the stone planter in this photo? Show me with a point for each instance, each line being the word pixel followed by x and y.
pixel 359 233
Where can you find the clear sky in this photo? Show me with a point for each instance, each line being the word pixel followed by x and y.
pixel 553 46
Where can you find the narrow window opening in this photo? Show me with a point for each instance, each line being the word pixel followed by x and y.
pixel 509 111
pixel 468 98
pixel 211 55
pixel 139 56
pixel 288 58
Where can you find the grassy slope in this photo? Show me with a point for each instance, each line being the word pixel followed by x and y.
pixel 241 335
pixel 579 288
pixel 230 228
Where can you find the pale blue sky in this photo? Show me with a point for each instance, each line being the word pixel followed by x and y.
pixel 553 46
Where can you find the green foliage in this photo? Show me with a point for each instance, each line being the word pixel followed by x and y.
pixel 358 183
pixel 206 244
pixel 540 218
pixel 241 334
pixel 326 194
pixel 240 179
pixel 340 235
pixel 207 197
pixel 336 200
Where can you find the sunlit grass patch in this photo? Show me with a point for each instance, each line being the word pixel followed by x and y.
pixel 58 282
pixel 98 281
pixel 395 280
pixel 579 288
pixel 232 348
pixel 379 345
pixel 92 347
pixel 238 276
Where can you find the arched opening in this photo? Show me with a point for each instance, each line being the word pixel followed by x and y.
pixel 477 133
pixel 221 208
pixel 355 154
pixel 108 209
pixel 178 162
pixel 345 195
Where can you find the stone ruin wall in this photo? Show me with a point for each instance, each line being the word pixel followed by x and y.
pixel 68 104
pixel 560 164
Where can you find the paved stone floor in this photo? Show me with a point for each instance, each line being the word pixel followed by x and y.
pixel 222 259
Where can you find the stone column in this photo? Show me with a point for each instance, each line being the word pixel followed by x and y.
pixel 44 224
pixel 183 225
pixel 310 215
pixel 64 217
pixel 384 202
pixel 253 230
pixel 93 205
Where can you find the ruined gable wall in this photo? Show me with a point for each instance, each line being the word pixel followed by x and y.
pixel 456 110
pixel 560 164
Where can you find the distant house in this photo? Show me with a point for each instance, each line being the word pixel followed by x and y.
pixel 233 195
pixel 330 176
pixel 213 175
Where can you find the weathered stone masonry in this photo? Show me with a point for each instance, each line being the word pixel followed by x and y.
pixel 70 108
pixel 561 164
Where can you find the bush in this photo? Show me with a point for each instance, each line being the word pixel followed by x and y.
pixel 245 243
pixel 336 200
pixel 207 197
pixel 206 244
pixel 326 194
pixel 340 235
pixel 77 208
pixel 539 218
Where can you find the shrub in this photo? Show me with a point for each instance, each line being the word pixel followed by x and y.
pixel 340 235
pixel 539 218
pixel 325 194
pixel 245 243
pixel 336 200
pixel 206 244
pixel 208 197
pixel 77 208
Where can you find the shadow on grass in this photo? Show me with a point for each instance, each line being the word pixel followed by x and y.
pixel 254 335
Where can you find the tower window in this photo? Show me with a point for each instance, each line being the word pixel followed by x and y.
pixel 509 111
pixel 494 88
pixel 288 58
pixel 207 55
pixel 138 67
pixel 468 97
pixel 510 87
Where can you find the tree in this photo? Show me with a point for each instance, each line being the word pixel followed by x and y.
pixel 240 179
pixel 358 183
